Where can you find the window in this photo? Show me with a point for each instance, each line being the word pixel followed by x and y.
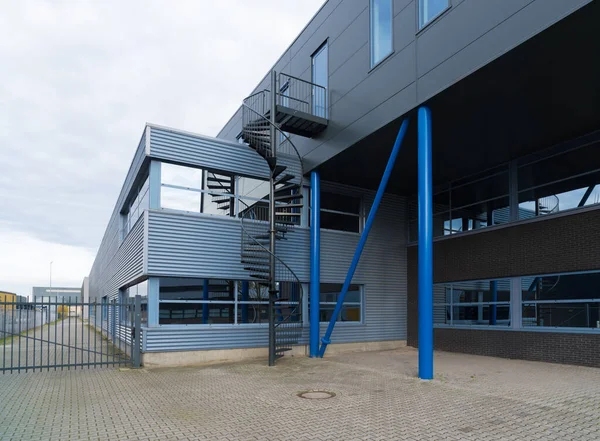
pixel 561 301
pixel 186 301
pixel 557 182
pixel 351 309
pixel 430 9
pixel 196 190
pixel 381 30
pixel 481 303
pixel 340 212
pixel 476 202
pixel 136 208
pixel 320 77
pixel 127 302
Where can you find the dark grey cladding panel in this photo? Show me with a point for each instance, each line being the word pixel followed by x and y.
pixel 203 151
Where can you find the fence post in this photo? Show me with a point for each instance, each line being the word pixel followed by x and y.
pixel 135 344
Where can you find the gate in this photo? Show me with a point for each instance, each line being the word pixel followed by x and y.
pixel 44 336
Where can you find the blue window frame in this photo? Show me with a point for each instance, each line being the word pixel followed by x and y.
pixel 381 30
pixel 430 9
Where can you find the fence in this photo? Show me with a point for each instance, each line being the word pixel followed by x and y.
pixel 51 335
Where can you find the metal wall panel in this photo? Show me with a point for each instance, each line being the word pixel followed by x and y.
pixel 211 153
pixel 469 35
pixel 187 245
pixel 118 263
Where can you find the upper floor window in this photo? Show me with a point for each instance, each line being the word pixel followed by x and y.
pixel 430 9
pixel 136 208
pixel 196 190
pixel 340 212
pixel 381 30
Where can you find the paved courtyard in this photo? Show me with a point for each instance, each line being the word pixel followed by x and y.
pixel 377 398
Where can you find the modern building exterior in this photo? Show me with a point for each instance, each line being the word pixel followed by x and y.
pixel 56 294
pixel 514 101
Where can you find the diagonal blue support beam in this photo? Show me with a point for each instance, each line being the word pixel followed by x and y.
pixel 425 247
pixel 586 196
pixel 365 234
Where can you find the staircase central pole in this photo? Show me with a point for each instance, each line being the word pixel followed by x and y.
pixel 272 281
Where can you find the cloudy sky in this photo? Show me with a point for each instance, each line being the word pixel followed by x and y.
pixel 78 80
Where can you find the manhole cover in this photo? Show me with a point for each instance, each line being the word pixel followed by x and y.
pixel 316 394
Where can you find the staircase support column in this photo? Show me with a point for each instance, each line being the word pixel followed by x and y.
pixel 315 261
pixel 425 247
pixel 272 231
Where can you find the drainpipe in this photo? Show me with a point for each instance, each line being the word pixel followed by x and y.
pixel 425 247
pixel 365 234
pixel 315 261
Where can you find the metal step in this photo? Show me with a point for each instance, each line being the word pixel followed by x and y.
pixel 286 188
pixel 282 350
pixel 283 206
pixel 285 178
pixel 282 213
pixel 278 170
pixel 288 197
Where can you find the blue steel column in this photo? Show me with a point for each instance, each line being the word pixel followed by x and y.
pixel 245 290
pixel 365 234
pixel 425 247
pixel 205 305
pixel 315 261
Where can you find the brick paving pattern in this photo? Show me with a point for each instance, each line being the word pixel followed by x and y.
pixel 377 398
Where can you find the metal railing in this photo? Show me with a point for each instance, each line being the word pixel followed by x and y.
pixel 302 95
pixel 51 335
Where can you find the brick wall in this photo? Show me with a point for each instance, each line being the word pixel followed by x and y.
pixel 553 245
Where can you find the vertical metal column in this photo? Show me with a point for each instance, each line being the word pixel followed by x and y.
pixel 205 292
pixel 272 281
pixel 245 291
pixel 137 332
pixel 493 308
pixel 315 261
pixel 425 247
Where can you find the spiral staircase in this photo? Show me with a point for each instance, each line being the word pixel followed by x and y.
pixel 267 120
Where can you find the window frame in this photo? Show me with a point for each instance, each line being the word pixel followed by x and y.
pixel 433 19
pixel 360 304
pixel 360 214
pixel 372 63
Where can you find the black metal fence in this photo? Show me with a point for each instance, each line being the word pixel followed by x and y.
pixel 43 336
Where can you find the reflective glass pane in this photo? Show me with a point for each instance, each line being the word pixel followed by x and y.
pixel 342 222
pixel 180 175
pixel 253 188
pixel 178 199
pixel 195 313
pixel 218 204
pixel 381 30
pixel 320 76
pixel 429 9
pixel 562 315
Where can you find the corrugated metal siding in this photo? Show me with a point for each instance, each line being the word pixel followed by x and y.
pixel 204 246
pixel 118 263
pixel 211 153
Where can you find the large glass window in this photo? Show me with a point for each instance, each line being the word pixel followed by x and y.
pixel 381 30
pixel 559 182
pixel 320 77
pixel 351 309
pixel 136 207
pixel 472 303
pixel 196 190
pixel 186 301
pixel 561 301
pixel 476 202
pixel 430 9
pixel 340 212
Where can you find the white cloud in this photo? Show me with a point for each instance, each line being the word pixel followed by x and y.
pixel 78 80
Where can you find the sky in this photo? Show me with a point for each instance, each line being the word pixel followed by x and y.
pixel 78 81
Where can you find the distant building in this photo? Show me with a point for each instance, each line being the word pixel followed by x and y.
pixel 7 297
pixel 56 294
